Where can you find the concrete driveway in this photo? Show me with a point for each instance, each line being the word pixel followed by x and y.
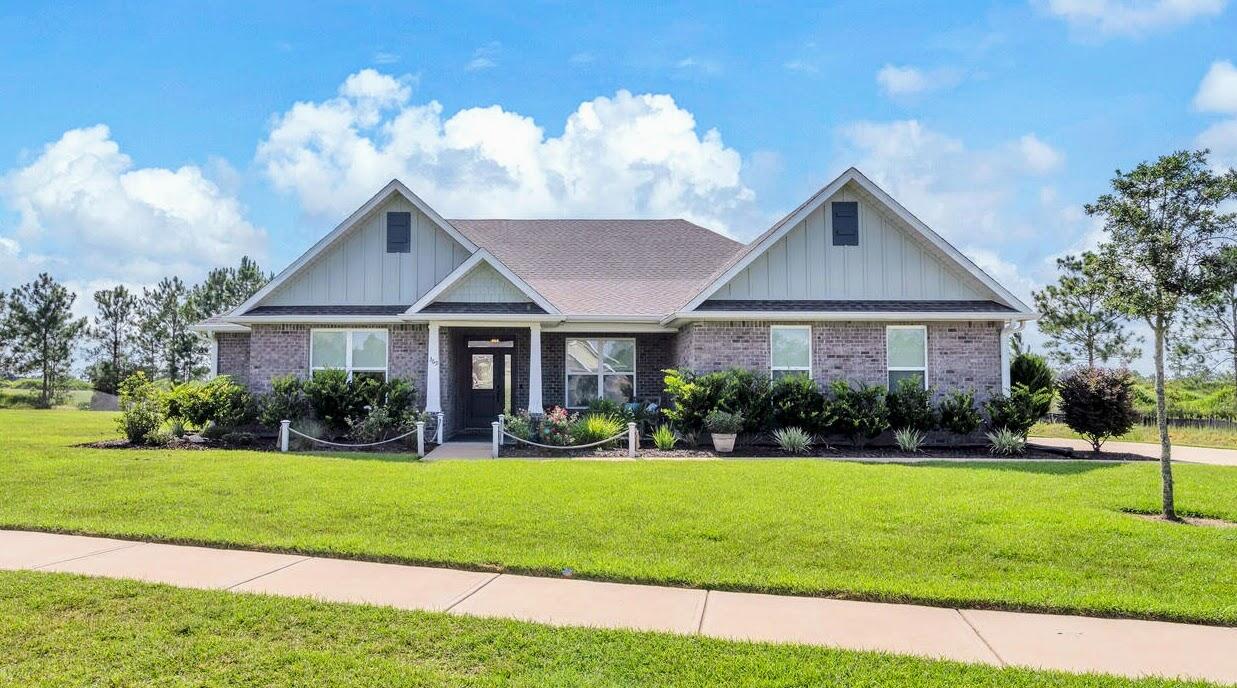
pixel 1215 457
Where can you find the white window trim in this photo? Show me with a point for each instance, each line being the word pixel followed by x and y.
pixel 889 368
pixel 348 367
pixel 776 368
pixel 635 365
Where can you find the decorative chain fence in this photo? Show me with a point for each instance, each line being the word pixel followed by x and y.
pixel 286 431
pixel 499 431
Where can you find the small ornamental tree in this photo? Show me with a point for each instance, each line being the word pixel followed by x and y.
pixel 1097 404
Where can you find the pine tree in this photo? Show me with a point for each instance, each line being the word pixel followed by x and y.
pixel 42 332
pixel 1081 325
pixel 113 333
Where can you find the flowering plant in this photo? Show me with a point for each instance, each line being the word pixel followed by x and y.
pixel 556 426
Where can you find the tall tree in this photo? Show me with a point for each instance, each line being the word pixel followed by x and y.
pixel 164 330
pixel 226 288
pixel 1164 229
pixel 42 332
pixel 1207 340
pixel 1079 321
pixel 113 333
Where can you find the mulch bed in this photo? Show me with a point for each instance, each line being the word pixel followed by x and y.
pixel 179 443
pixel 874 453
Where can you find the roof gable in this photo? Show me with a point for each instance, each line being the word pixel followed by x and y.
pixel 898 257
pixel 482 279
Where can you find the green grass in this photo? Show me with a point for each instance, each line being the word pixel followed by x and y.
pixel 1193 437
pixel 1044 536
pixel 58 629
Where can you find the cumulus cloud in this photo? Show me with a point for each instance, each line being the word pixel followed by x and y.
pixel 1039 156
pixel 626 155
pixel 483 58
pixel 1221 139
pixel 898 81
pixel 1131 17
pixel 83 195
pixel 1218 90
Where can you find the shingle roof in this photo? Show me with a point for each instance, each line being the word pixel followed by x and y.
pixel 606 267
pixel 855 306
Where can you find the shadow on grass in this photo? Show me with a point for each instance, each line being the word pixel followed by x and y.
pixel 1029 466
pixel 405 457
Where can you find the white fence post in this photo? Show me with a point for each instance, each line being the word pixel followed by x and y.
pixel 438 429
pixel 502 427
pixel 633 439
pixel 421 438
pixel 497 435
pixel 283 434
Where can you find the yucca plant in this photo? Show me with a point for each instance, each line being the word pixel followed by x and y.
pixel 909 440
pixel 665 438
pixel 1006 442
pixel 793 440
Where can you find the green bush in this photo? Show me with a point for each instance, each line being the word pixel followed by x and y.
pixel 664 438
pixel 739 391
pixel 381 424
pixel 335 400
pixel 721 422
pixel 1098 404
pixel 793 440
pixel 219 400
pixel 1018 411
pixel 519 425
pixel 287 400
pixel 595 427
pixel 556 426
pixel 795 401
pixel 958 414
pixel 142 409
pixel 910 406
pixel 859 413
pixel 1032 371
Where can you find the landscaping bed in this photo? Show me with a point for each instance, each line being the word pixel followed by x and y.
pixel 825 451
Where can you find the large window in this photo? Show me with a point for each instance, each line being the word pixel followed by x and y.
pixel 600 368
pixel 907 347
pixel 790 350
pixel 362 353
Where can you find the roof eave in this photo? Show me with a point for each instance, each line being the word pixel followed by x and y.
pixel 876 316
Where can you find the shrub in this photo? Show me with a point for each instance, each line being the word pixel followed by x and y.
pixel 519 425
pixel 1098 404
pixel 1033 372
pixel 239 439
pixel 909 439
pixel 735 391
pixel 380 424
pixel 721 422
pixel 1006 442
pixel 910 406
pixel 219 400
pixel 793 440
pixel 556 426
pixel 958 414
pixel 606 407
pixel 1018 411
pixel 335 400
pixel 859 412
pixel 141 409
pixel 796 402
pixel 287 400
pixel 595 427
pixel 664 438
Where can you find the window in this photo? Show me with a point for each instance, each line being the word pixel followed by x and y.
pixel 790 350
pixel 361 353
pixel 399 232
pixel 600 369
pixel 907 347
pixel 845 223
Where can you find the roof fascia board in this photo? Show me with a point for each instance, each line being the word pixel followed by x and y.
pixel 688 316
pixel 481 255
pixel 393 187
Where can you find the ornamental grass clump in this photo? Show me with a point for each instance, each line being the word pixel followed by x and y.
pixel 1006 442
pixel 664 438
pixel 793 440
pixel 595 427
pixel 909 440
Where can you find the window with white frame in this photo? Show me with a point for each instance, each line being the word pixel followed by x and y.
pixel 907 347
pixel 600 369
pixel 360 353
pixel 790 350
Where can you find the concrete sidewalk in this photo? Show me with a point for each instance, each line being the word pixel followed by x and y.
pixel 1069 643
pixel 1209 455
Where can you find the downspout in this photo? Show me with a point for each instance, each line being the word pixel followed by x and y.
pixel 1007 330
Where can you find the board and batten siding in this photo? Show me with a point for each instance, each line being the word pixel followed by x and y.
pixel 888 263
pixel 357 270
pixel 483 284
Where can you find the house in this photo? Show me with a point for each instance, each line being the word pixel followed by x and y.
pixel 487 316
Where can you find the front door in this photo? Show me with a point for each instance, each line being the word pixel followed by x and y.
pixel 487 372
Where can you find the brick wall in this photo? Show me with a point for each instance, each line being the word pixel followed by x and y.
pixel 960 354
pixel 655 351
pixel 276 350
pixel 233 361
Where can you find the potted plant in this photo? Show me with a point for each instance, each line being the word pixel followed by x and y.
pixel 724 426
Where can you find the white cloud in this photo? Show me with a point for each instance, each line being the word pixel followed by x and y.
pixel 84 197
pixel 1221 139
pixel 1131 17
pixel 1218 90
pixel 485 57
pixel 1039 156
pixel 697 66
pixel 383 57
pixel 898 81
pixel 626 155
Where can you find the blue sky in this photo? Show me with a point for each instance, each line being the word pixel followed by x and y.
pixel 994 122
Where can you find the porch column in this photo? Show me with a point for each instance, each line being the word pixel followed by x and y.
pixel 433 380
pixel 534 369
pixel 1006 330
pixel 213 345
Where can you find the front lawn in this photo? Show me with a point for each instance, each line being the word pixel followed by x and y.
pixel 1046 536
pixel 1193 437
pixel 58 629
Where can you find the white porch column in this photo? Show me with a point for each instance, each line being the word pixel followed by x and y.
pixel 1005 333
pixel 433 378
pixel 534 369
pixel 213 345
